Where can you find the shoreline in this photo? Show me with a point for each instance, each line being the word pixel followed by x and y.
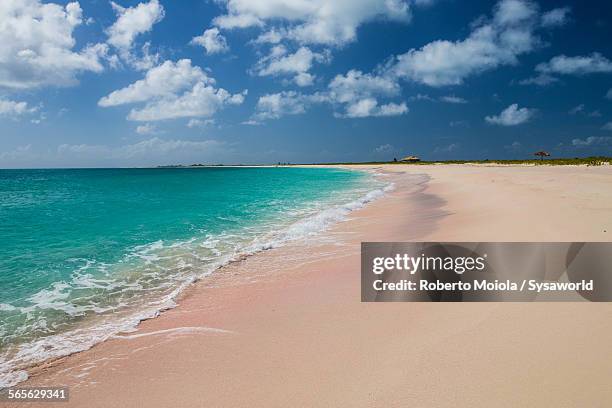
pixel 132 320
pixel 293 313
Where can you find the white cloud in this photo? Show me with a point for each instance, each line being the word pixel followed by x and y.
pixel 453 99
pixel 147 129
pixel 164 80
pixel 133 21
pixel 607 126
pixel 355 85
pixel 279 62
pixel 369 107
pixel 173 90
pixel 38 48
pixel 540 80
pixel 193 123
pixel 580 65
pixel 304 79
pixel 313 22
pixel 421 97
pixel 592 141
pixel 510 12
pixel 11 108
pixel 269 37
pixel 511 116
pixel 510 33
pixel 145 61
pixel 609 94
pixel 212 41
pixel 230 21
pixel 358 92
pixel 201 101
pixel 274 106
pixel 556 17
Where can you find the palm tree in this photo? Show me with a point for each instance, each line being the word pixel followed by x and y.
pixel 542 154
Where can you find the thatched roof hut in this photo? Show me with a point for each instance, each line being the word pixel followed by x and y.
pixel 410 159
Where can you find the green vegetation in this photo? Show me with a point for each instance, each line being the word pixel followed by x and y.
pixel 588 161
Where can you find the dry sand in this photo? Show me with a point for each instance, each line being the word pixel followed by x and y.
pixel 286 327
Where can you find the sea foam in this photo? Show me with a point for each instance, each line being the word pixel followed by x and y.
pixel 159 271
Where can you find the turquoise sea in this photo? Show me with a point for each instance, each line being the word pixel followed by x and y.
pixel 87 253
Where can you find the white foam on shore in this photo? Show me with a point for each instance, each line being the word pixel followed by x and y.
pixel 14 369
pixel 321 221
pixel 175 331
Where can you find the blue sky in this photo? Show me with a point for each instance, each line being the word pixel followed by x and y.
pixel 128 83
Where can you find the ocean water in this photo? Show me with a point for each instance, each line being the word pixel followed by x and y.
pixel 88 253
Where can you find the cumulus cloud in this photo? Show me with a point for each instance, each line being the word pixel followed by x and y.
pixel 201 101
pixel 511 116
pixel 355 85
pixel 173 90
pixel 164 80
pixel 609 94
pixel 369 107
pixel 358 93
pixel 556 17
pixel 492 43
pixel 580 65
pixel 212 41
pixel 274 106
pixel 313 22
pixel 9 108
pixel 38 46
pixel 232 21
pixel 355 92
pixel 280 62
pixel 607 126
pixel 132 21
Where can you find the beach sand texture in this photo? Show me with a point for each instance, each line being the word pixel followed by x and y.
pixel 286 328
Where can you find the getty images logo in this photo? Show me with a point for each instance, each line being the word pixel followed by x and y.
pixel 414 264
